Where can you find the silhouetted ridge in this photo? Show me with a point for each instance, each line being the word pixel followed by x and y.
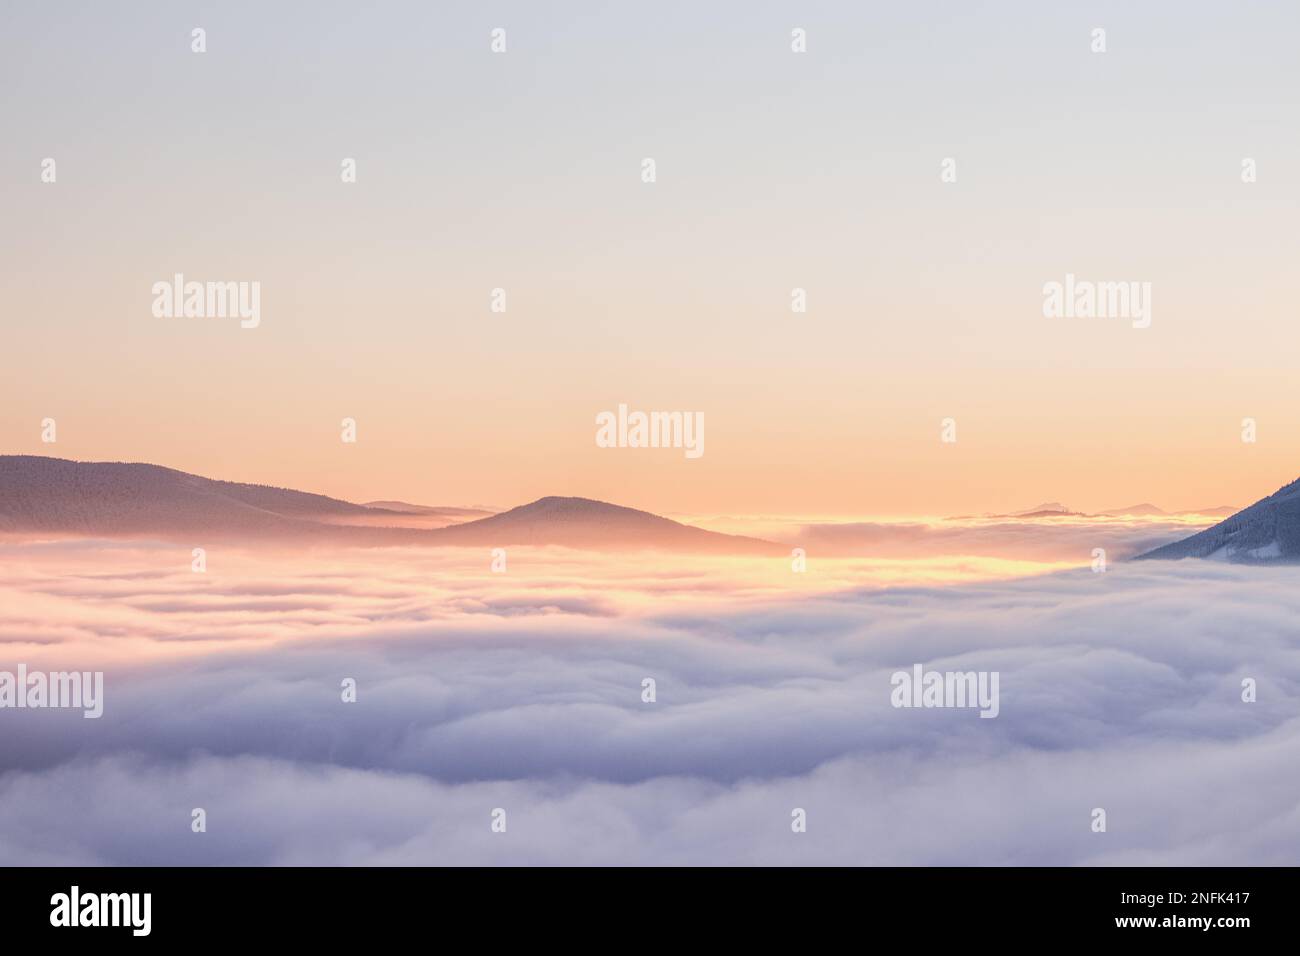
pixel 57 496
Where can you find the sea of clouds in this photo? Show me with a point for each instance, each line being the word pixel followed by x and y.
pixel 1119 690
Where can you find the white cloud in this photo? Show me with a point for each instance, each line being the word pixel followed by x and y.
pixel 1119 690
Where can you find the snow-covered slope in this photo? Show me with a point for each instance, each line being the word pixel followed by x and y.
pixel 1268 532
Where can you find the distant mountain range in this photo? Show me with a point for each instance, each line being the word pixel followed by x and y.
pixel 455 514
pixel 1046 508
pixel 1142 510
pixel 61 497
pixel 1054 509
pixel 56 496
pixel 1268 532
pixel 1150 510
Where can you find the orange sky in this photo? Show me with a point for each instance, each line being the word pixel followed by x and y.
pixel 774 172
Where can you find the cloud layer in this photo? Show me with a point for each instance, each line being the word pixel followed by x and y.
pixel 1119 690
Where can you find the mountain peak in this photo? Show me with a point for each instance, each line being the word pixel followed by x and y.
pixel 1146 508
pixel 1047 507
pixel 573 506
pixel 589 523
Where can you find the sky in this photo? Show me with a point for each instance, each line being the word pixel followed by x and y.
pixel 775 170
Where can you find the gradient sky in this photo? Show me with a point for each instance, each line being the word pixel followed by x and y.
pixel 775 170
